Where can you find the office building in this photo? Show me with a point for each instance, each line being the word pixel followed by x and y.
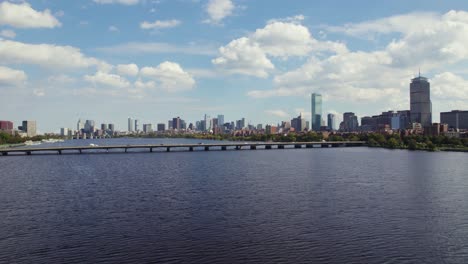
pixel 80 125
pixel 89 126
pixel 298 123
pixel 104 127
pixel 316 110
pixel 161 127
pixel 64 132
pixel 455 119
pixel 137 125
pixel 220 121
pixel 147 128
pixel 29 127
pixel 350 122
pixel 112 128
pixel 420 101
pixel 130 125
pixel 176 122
pixel 331 122
pixel 6 126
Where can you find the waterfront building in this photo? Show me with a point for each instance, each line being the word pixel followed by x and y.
pixel 6 126
pixel 420 101
pixel 169 124
pixel 350 122
pixel 137 125
pixel 130 124
pixel 220 121
pixel 64 132
pixel 298 123
pixel 112 127
pixel 331 122
pixel 455 119
pixel 147 128
pixel 80 125
pixel 29 127
pixel 176 123
pixel 89 126
pixel 316 111
pixel 161 127
pixel 104 127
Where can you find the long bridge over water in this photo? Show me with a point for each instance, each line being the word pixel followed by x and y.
pixel 169 147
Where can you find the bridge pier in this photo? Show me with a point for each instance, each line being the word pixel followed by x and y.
pixel 238 147
pixel 253 147
pixel 223 148
pixel 297 146
pixel 168 149
pixel 5 153
pixel 207 148
pixel 268 147
pixel 190 149
pixel 28 153
pixel 151 149
pixel 324 145
pixel 309 146
pixel 280 146
pixel 335 145
pixel 60 152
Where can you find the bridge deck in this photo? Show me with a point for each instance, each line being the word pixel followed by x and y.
pixel 191 147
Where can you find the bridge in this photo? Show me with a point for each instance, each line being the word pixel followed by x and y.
pixel 169 147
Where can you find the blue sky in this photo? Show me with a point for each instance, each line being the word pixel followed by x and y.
pixel 108 60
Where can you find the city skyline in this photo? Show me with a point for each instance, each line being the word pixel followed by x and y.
pixel 156 60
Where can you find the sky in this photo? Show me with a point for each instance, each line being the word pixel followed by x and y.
pixel 107 60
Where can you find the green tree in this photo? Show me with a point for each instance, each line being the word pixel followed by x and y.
pixel 393 143
pixel 412 145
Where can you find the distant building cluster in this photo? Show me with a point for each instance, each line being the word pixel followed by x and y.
pixel 417 120
pixel 27 128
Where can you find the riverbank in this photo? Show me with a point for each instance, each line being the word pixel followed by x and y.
pixel 12 145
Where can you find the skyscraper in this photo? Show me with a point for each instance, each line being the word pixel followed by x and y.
pixel 420 99
pixel 331 122
pixel 220 120
pixel 350 122
pixel 316 111
pixel 137 125
pixel 79 125
pixel 298 123
pixel 30 128
pixel 176 123
pixel 131 124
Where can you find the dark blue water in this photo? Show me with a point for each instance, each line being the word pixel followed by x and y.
pixel 346 205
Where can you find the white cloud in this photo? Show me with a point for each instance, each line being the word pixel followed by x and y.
pixel 106 79
pixel 278 113
pixel 61 79
pixel 158 24
pixel 218 10
pixel 113 29
pixel 127 69
pixel 169 76
pixel 22 15
pixel 46 55
pixel 139 84
pixel 7 33
pixel 250 55
pixel 293 19
pixel 11 77
pixel 123 2
pixel 449 86
pixel 242 56
pixel 39 92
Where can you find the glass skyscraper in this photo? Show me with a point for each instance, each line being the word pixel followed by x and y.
pixel 420 99
pixel 316 111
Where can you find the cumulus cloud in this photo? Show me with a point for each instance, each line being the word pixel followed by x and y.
pixel 242 56
pixel 159 47
pixel 113 29
pixel 22 15
pixel 159 24
pixel 46 55
pixel 169 76
pixel 107 79
pixel 432 41
pixel 123 2
pixel 250 55
pixel 127 69
pixel 11 77
pixel 7 33
pixel 217 10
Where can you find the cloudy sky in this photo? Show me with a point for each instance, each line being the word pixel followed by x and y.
pixel 107 60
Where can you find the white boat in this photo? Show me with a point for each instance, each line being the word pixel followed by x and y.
pixel 93 145
pixel 32 143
